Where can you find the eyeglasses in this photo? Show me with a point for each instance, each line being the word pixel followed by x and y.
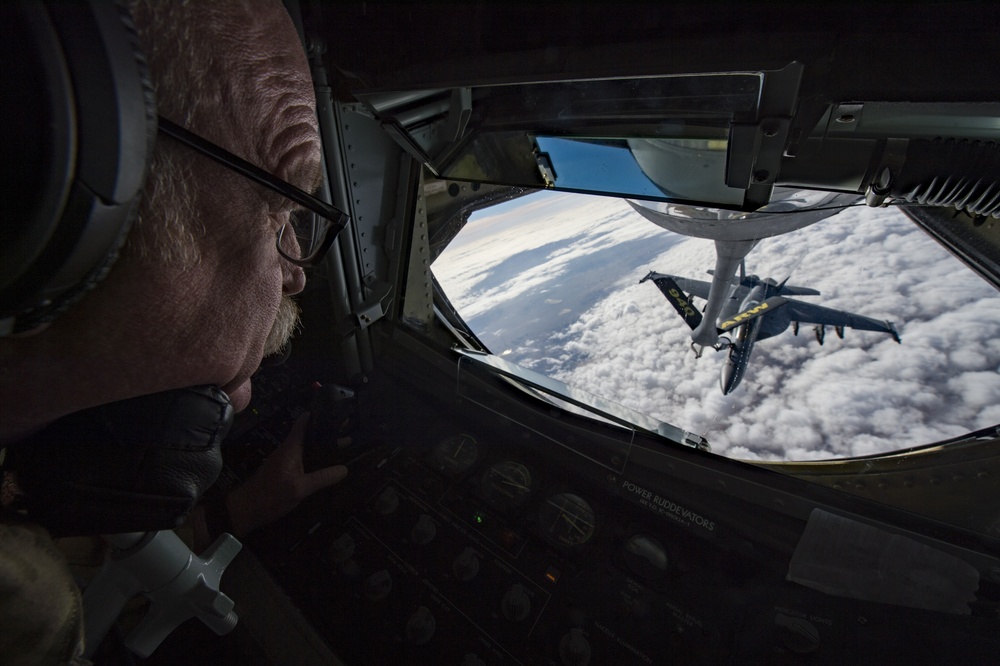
pixel 315 227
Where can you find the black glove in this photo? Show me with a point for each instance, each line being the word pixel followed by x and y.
pixel 131 466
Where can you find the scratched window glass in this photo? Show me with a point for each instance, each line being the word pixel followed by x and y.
pixel 854 335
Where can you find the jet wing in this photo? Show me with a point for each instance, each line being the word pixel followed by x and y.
pixel 807 313
pixel 759 310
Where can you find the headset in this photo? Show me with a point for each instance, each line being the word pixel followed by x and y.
pixel 78 124
pixel 78 121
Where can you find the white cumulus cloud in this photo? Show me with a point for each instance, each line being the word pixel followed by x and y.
pixel 556 283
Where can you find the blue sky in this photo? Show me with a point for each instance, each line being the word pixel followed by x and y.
pixel 595 168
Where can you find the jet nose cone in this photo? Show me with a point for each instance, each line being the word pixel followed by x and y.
pixel 728 378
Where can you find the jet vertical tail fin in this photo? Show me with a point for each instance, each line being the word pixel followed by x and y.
pixel 681 302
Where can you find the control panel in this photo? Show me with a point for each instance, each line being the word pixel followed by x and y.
pixel 463 537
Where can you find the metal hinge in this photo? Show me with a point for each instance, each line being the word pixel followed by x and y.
pixel 375 306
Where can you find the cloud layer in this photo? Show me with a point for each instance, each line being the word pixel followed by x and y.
pixel 553 285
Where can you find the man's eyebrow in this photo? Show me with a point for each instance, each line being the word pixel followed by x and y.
pixel 315 179
pixel 309 176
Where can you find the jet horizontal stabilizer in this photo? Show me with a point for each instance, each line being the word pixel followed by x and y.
pixel 893 332
pixel 792 290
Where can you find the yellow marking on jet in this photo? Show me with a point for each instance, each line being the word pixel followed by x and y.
pixel 746 314
pixel 681 303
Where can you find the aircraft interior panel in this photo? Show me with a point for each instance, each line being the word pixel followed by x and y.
pixel 464 535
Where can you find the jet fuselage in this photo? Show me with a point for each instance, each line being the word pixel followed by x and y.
pixel 747 334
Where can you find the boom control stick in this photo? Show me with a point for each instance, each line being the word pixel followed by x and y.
pixel 333 415
pixel 179 584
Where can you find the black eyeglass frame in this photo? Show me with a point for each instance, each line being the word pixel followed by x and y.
pixel 334 219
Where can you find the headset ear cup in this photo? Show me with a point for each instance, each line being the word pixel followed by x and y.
pixel 38 126
pixel 145 82
pixel 130 206
pixel 112 132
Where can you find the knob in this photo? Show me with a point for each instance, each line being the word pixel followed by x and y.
pixel 420 627
pixel 646 557
pixel 342 548
pixel 387 502
pixel 378 585
pixel 423 532
pixel 797 634
pixel 350 570
pixel 466 565
pixel 516 603
pixel 574 650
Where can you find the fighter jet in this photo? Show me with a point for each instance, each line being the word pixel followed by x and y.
pixel 757 309
pixel 736 233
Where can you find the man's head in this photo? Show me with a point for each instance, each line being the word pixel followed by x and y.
pixel 196 295
pixel 235 73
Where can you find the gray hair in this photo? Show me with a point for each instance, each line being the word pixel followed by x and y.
pixel 166 228
pixel 200 73
pixel 189 61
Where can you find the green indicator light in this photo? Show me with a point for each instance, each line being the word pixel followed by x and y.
pixel 478 517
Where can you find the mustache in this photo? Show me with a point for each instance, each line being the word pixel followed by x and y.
pixel 286 323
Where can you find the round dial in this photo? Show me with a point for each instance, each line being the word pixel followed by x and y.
pixel 507 484
pixel 455 455
pixel 566 520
